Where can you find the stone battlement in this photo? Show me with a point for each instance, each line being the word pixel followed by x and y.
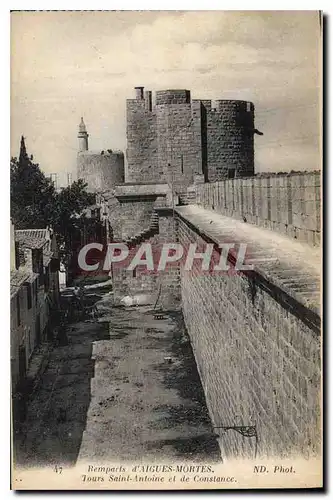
pixel 289 204
pixel 173 97
pixel 180 138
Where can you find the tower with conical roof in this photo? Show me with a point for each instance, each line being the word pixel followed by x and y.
pixel 23 152
pixel 83 137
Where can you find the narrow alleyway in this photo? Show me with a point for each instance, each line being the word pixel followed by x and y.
pixel 57 411
pixel 124 388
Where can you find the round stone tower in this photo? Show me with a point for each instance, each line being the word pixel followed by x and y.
pixel 178 146
pixel 230 144
pixel 101 170
pixel 83 136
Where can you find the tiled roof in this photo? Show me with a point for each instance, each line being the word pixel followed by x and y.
pixel 17 278
pixel 35 233
pixel 31 238
pixel 32 277
pixel 35 239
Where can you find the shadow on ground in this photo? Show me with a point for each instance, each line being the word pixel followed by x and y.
pixel 182 375
pixel 57 412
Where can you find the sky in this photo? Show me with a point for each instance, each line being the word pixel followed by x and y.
pixel 65 65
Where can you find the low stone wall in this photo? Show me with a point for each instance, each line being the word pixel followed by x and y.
pixel 258 361
pixel 289 204
pixel 140 281
pixel 162 288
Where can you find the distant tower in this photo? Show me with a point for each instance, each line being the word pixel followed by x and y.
pixel 23 152
pixel 83 137
pixel 54 179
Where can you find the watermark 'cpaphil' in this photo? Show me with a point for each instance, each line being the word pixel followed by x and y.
pixel 214 258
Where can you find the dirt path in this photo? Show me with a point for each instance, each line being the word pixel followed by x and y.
pixel 57 412
pixel 125 388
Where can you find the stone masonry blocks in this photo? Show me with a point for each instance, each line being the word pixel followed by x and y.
pixel 288 204
pixel 259 365
pixel 177 138
pixel 101 171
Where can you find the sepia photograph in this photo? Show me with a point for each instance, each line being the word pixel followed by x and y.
pixel 166 250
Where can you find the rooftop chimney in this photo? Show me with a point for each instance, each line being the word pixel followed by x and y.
pixel 139 93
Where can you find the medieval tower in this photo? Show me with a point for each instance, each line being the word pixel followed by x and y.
pixel 101 170
pixel 83 136
pixel 185 138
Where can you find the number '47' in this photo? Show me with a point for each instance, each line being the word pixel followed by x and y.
pixel 57 469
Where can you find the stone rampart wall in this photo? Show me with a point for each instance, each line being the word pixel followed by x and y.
pixel 289 204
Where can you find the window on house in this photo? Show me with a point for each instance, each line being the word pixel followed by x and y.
pixel 29 295
pixel 18 309
pixel 46 280
pixel 231 173
pixel 41 277
pixel 248 106
pixel 36 291
pixel 134 272
pixel 17 255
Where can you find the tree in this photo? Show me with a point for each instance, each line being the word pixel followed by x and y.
pixel 35 204
pixel 32 194
pixel 67 217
